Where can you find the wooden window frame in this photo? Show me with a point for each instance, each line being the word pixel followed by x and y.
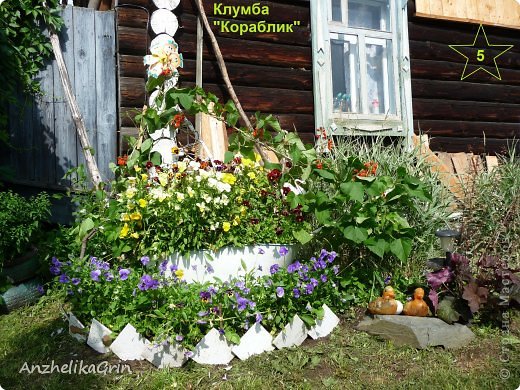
pixel 340 123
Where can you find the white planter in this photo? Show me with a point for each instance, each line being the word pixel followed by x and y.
pixel 294 334
pixel 256 341
pixel 95 336
pixel 76 328
pixel 165 356
pixel 227 263
pixel 213 349
pixel 129 345
pixel 325 326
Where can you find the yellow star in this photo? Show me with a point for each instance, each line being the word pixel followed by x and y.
pixel 481 55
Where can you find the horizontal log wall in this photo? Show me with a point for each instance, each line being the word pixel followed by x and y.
pixel 271 72
pixel 479 114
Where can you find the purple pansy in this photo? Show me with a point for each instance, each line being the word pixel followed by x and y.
pixel 179 338
pixel 109 276
pixel 314 282
pixel 242 303
pixel 40 289
pixel 205 296
pixel 309 288
pixel 209 269
pixel 274 269
pixel 296 292
pixel 145 260
pixel 283 251
pixel 280 292
pixel 261 251
pixel 173 267
pixel 335 269
pixel 323 278
pixel 76 281
pixel 123 273
pixel 258 318
pixel 148 283
pixel 94 275
pixel 63 278
pixel 55 270
pixel 163 266
pixel 331 256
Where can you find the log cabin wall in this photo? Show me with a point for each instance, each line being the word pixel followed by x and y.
pixel 271 72
pixel 480 114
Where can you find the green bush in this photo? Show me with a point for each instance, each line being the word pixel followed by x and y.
pixel 491 214
pixel 424 215
pixel 20 222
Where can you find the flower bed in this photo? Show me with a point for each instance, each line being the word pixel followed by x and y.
pixel 171 312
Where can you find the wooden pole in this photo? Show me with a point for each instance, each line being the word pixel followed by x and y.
pixel 92 167
pixel 225 76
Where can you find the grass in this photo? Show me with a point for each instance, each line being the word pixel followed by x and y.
pixel 347 359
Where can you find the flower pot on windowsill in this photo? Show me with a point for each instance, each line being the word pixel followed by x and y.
pixel 228 262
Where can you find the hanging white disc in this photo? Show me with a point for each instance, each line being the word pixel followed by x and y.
pixel 167 4
pixel 163 21
pixel 161 40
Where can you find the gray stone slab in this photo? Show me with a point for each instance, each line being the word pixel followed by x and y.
pixel 418 332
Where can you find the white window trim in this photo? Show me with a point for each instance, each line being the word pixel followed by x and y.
pixel 399 124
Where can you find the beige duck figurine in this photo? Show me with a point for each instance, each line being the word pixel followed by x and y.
pixel 416 307
pixel 386 304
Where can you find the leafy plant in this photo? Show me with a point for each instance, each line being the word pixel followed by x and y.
pixel 23 48
pixel 20 222
pixel 458 292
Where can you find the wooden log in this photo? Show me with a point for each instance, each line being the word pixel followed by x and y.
pixel 131 66
pixel 278 12
pixel 451 71
pixel 132 17
pixel 257 53
pixel 451 33
pixel 267 100
pixel 303 123
pixel 475 145
pixel 462 110
pixel 465 90
pixel 464 128
pixel 301 35
pixel 252 75
pixel 131 92
pixel 132 40
pixel 214 136
pixel 427 50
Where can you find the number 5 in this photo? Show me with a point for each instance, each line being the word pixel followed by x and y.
pixel 480 55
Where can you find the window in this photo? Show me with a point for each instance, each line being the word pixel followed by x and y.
pixel 361 66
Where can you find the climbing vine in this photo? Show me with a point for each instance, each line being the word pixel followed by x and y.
pixel 23 48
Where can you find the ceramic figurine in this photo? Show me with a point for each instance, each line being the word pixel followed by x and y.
pixel 416 307
pixel 386 304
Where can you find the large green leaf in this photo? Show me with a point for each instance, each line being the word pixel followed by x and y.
pixel 86 226
pixel 354 190
pixel 446 310
pixel 302 236
pixel 401 248
pixel 327 175
pixel 377 246
pixel 355 234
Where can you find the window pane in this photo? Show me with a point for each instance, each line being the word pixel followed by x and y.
pixel 380 80
pixel 345 74
pixel 371 14
pixel 336 10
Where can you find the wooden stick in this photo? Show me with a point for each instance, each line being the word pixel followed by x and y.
pixel 92 167
pixel 225 76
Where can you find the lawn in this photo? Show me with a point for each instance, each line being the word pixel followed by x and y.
pixel 348 359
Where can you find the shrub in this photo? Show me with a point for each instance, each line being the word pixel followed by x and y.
pixel 20 222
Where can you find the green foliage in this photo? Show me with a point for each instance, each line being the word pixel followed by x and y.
pixel 23 47
pixel 20 222
pixel 491 213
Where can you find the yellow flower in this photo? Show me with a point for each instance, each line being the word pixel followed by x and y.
pixel 137 168
pixel 131 192
pixel 257 157
pixel 125 217
pixel 226 226
pixel 179 273
pixel 243 210
pixel 175 150
pixel 135 216
pixel 229 178
pixel 134 235
pixel 124 231
pixel 247 162
pixel 144 176
pixel 236 220
pixel 163 178
pixel 251 175
pixel 182 166
pixel 142 203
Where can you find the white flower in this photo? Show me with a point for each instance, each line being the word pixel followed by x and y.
pixel 194 165
pixel 180 196
pixel 190 192
pixel 201 206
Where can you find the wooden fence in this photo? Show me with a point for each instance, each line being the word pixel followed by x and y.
pixel 43 134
